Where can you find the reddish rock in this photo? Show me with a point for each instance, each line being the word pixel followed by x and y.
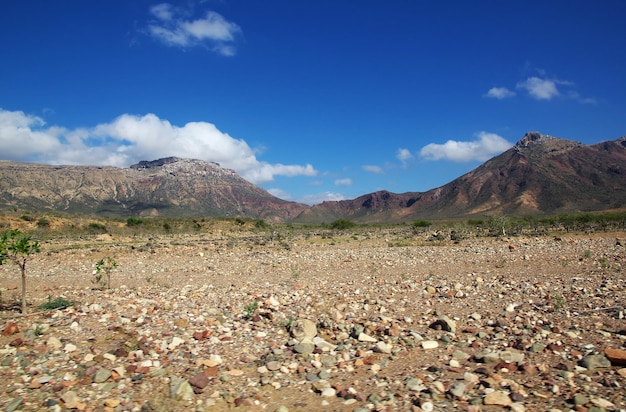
pixel 616 356
pixel 10 329
pixel 17 342
pixel 199 380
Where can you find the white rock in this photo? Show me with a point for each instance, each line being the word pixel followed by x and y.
pixel 430 344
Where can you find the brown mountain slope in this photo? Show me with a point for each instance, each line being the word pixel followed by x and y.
pixel 539 175
pixel 166 187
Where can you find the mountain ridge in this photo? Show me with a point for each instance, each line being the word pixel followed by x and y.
pixel 539 175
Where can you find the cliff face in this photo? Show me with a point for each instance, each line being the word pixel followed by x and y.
pixel 166 187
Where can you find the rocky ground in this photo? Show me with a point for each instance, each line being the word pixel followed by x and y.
pixel 319 322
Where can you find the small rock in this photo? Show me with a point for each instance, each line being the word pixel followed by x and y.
pixel 180 389
pixel 69 347
pixel 596 361
pixel 199 380
pixel 70 399
pixel 603 403
pixel 102 375
pixel 617 357
pixel 112 403
pixel 458 389
pixel 444 323
pixel 580 399
pixel 429 344
pixel 383 347
pixel 176 341
pixel 10 329
pixel 497 398
pixel 329 392
pixel 363 337
pixel 14 405
pixel 304 347
pixel 54 343
pixel 303 329
pixel 322 344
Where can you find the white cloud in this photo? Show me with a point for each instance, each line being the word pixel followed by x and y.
pixel 540 89
pixel 483 148
pixel 313 199
pixel 212 30
pixel 500 93
pixel 129 139
pixel 404 155
pixel 374 169
pixel 343 182
pixel 162 11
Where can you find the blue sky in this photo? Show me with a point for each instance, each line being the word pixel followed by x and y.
pixel 311 100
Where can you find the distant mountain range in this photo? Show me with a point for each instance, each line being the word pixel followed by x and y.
pixel 540 175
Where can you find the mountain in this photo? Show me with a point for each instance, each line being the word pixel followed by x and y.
pixel 164 187
pixel 540 175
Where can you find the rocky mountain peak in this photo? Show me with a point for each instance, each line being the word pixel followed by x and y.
pixel 532 138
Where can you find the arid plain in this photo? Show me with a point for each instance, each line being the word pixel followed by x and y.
pixel 318 319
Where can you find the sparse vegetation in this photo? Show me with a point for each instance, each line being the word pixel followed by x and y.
pixel 102 272
pixel 250 309
pixel 17 248
pixel 342 224
pixel 134 221
pixel 58 303
pixel 96 227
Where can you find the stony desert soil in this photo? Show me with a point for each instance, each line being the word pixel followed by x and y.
pixel 315 322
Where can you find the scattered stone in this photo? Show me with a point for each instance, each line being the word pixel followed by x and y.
pixel 366 338
pixel 444 323
pixel 429 344
pixel 199 380
pixel 180 389
pixel 497 398
pixel 101 375
pixel 10 329
pixel 383 347
pixel 596 361
pixel 304 347
pixel 71 400
pixel 303 329
pixel 617 357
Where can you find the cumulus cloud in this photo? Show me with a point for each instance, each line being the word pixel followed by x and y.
pixel 374 169
pixel 485 146
pixel 500 93
pixel 404 155
pixel 173 29
pixel 129 139
pixel 343 182
pixel 540 89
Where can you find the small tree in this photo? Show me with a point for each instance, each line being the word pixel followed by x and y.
pixel 103 268
pixel 17 248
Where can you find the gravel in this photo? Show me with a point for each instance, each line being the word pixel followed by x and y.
pixel 223 320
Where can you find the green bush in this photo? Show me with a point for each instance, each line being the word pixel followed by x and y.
pixel 422 223
pixel 134 221
pixel 342 224
pixel 97 227
pixel 58 303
